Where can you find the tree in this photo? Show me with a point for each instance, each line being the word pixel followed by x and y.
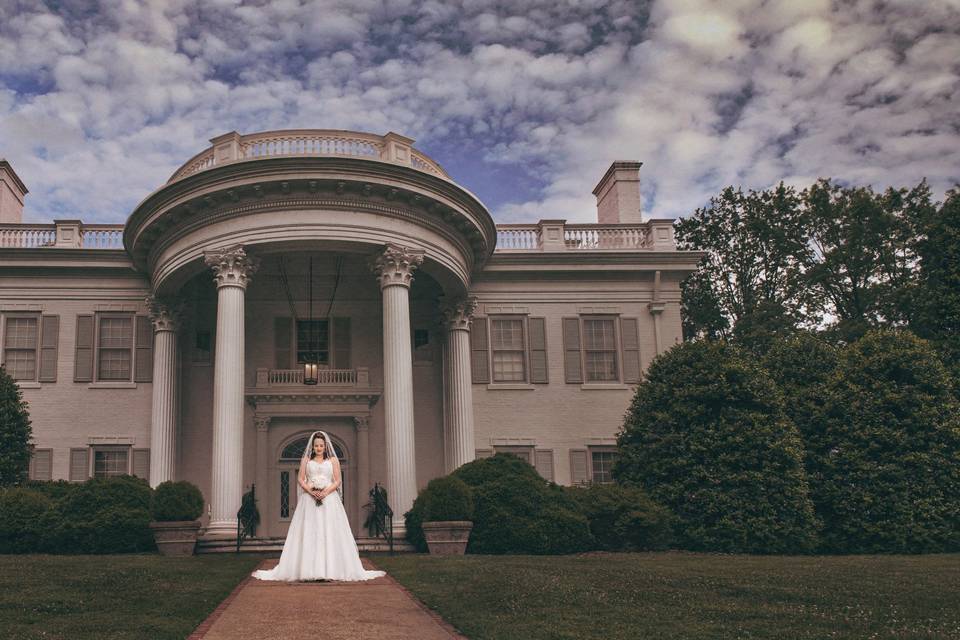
pixel 885 469
pixel 707 437
pixel 863 252
pixel 15 432
pixel 751 283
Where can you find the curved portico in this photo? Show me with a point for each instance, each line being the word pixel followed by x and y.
pixel 262 197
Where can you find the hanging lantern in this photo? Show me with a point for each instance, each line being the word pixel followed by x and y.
pixel 310 366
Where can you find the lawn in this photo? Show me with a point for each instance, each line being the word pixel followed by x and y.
pixel 686 595
pixel 113 597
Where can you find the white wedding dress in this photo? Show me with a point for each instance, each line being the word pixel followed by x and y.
pixel 319 544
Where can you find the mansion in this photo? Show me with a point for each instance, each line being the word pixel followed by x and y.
pixel 288 281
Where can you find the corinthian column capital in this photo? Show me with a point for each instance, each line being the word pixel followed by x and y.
pixel 457 313
pixel 395 265
pixel 232 267
pixel 166 313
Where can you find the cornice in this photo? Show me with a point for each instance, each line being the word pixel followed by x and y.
pixel 641 260
pixel 60 258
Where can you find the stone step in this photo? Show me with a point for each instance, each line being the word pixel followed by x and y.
pixel 270 545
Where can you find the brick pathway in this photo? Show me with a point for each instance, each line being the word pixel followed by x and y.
pixel 369 610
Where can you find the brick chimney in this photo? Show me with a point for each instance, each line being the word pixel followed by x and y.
pixel 12 191
pixel 618 193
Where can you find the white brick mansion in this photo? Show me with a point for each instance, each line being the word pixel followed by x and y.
pixel 288 281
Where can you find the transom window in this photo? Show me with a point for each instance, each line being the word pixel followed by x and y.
pixel 294 450
pixel 20 347
pixel 601 463
pixel 507 345
pixel 110 462
pixel 115 348
pixel 600 349
pixel 313 341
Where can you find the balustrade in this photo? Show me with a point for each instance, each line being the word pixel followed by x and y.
pixel 325 377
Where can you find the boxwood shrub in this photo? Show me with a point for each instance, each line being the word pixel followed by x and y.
pixel 22 513
pixel 623 518
pixel 177 501
pixel 447 498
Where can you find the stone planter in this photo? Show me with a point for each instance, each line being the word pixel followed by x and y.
pixel 176 538
pixel 447 538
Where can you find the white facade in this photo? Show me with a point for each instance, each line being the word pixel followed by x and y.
pixel 173 346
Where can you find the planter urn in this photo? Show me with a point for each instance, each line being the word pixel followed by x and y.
pixel 178 538
pixel 447 538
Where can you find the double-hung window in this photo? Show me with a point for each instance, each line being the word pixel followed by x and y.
pixel 508 349
pixel 21 341
pixel 601 349
pixel 115 347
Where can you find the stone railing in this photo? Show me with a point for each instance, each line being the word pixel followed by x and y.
pixel 233 147
pixel 62 234
pixel 359 377
pixel 557 235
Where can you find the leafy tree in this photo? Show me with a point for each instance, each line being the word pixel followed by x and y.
pixel 707 437
pixel 863 252
pixel 885 471
pixel 15 432
pixel 751 282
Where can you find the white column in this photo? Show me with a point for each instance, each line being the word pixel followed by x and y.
pixel 166 315
pixel 232 271
pixel 262 423
pixel 363 468
pixel 394 269
pixel 458 386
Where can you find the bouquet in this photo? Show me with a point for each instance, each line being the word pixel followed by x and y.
pixel 319 484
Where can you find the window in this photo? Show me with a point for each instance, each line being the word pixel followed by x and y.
pixel 202 345
pixel 601 465
pixel 20 342
pixel 41 464
pixel 115 348
pixel 507 350
pixel 600 350
pixel 110 461
pixel 525 453
pixel 313 341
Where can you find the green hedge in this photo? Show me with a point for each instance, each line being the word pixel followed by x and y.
pixel 623 518
pixel 707 437
pixel 177 501
pixel 22 514
pixel 515 511
pixel 447 498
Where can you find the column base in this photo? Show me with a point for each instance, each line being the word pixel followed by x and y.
pixel 221 530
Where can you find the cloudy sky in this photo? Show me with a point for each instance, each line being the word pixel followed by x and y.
pixel 525 102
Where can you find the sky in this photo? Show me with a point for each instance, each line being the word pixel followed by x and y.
pixel 524 102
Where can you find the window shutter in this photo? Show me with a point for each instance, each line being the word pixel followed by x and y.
pixel 578 466
pixel 571 350
pixel 49 339
pixel 144 350
pixel 83 354
pixel 484 453
pixel 479 361
pixel 141 463
pixel 536 327
pixel 281 342
pixel 341 343
pixel 630 343
pixel 79 465
pixel 543 461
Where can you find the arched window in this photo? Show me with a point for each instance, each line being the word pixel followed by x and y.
pixel 294 450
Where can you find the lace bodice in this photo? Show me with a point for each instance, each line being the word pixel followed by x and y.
pixel 319 473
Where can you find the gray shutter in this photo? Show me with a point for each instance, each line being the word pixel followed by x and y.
pixel 543 461
pixel 578 466
pixel 143 343
pixel 282 342
pixel 572 370
pixel 341 343
pixel 630 343
pixel 83 353
pixel 49 339
pixel 484 453
pixel 141 463
pixel 536 327
pixel 79 465
pixel 479 360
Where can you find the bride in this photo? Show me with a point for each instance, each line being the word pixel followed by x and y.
pixel 319 544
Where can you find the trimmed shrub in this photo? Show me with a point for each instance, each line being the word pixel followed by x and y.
pixel 623 518
pixel 102 515
pixel 885 473
pixel 55 490
pixel 176 501
pixel 22 513
pixel 515 511
pixel 706 436
pixel 447 498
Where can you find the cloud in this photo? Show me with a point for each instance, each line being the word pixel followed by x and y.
pixel 526 103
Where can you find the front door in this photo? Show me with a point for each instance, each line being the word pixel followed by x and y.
pixel 285 484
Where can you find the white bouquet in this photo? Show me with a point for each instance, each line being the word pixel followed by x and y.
pixel 319 483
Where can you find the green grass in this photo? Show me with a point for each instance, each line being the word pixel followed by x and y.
pixel 686 595
pixel 113 597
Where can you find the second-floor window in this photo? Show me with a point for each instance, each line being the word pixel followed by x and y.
pixel 20 344
pixel 115 348
pixel 507 350
pixel 600 349
pixel 313 341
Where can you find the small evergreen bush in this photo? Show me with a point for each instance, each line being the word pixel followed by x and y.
pixel 623 518
pixel 22 513
pixel 447 498
pixel 177 501
pixel 15 432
